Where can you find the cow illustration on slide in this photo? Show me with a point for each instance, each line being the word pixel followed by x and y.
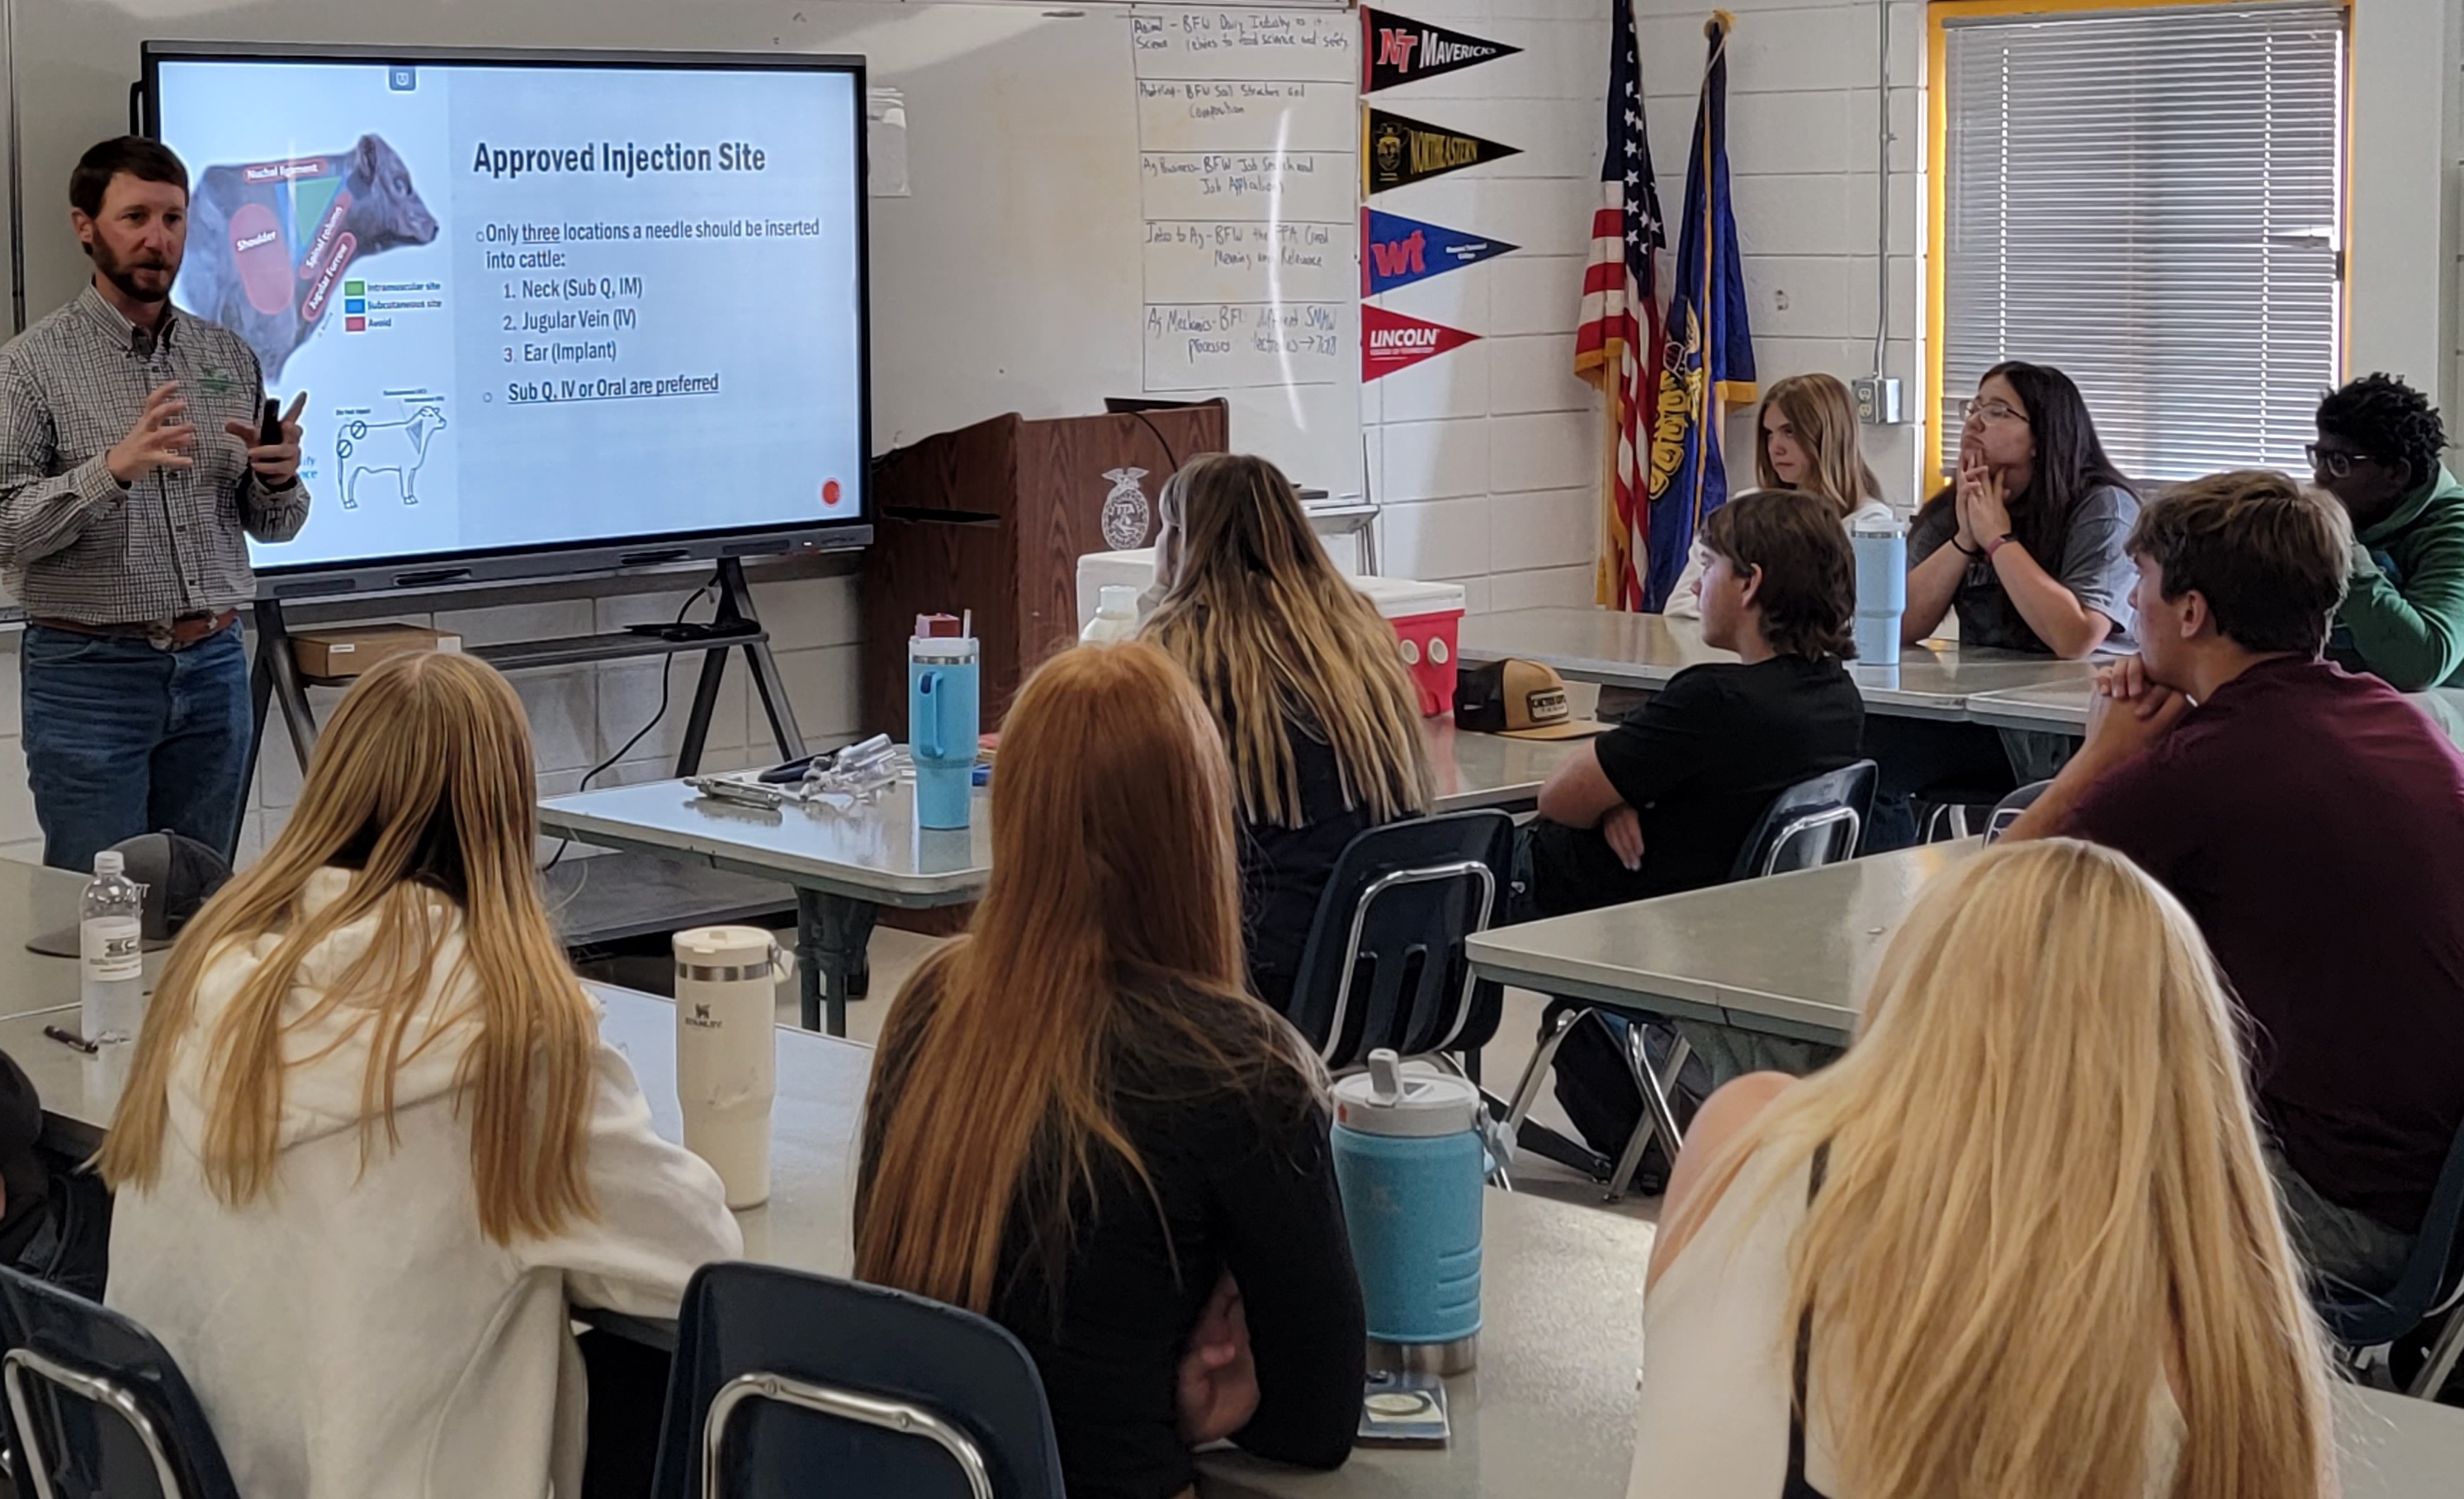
pixel 269 241
pixel 399 448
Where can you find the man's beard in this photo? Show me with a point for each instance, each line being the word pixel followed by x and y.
pixel 124 274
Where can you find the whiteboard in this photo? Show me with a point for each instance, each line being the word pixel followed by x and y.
pixel 1011 278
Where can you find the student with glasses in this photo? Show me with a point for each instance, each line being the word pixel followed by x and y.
pixel 2026 545
pixel 2378 454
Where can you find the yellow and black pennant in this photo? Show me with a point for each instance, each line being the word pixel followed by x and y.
pixel 1395 151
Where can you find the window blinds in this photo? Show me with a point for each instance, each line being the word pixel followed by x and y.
pixel 2149 201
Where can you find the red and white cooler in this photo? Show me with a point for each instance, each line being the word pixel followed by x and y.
pixel 1426 617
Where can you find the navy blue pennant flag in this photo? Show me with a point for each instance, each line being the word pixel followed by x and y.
pixel 1397 250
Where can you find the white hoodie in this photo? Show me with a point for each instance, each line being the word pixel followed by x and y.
pixel 352 1332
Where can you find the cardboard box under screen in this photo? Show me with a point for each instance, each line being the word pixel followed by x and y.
pixel 340 654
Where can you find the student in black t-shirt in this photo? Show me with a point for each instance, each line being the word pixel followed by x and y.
pixel 1666 799
pixel 1302 675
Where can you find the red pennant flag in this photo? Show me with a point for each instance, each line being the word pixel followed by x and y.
pixel 1390 342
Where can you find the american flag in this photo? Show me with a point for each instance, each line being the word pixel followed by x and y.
pixel 1618 343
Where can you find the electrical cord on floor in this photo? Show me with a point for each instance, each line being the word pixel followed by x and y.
pixel 667 682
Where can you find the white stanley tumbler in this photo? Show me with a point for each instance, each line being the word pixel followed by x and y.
pixel 727 1067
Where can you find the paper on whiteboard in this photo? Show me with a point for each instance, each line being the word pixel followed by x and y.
pixel 885 142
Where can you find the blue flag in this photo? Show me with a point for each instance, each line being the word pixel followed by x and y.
pixel 1710 362
pixel 1397 250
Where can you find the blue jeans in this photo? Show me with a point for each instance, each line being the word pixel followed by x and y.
pixel 123 739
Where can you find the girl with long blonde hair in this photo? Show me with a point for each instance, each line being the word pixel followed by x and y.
pixel 1304 684
pixel 1081 1126
pixel 371 1139
pixel 2018 1241
pixel 1805 439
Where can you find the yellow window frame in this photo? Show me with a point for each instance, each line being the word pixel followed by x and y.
pixel 1937 173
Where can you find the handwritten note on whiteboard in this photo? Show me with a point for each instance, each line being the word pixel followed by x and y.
pixel 1249 128
pixel 1323 46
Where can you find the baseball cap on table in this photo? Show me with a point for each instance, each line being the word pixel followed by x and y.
pixel 1520 699
pixel 180 876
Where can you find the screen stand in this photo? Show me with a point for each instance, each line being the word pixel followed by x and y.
pixel 275 679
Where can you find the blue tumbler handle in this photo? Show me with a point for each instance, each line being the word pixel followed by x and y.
pixel 929 737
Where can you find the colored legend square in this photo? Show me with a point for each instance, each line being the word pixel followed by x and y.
pixel 354 326
pixel 355 304
pixel 354 288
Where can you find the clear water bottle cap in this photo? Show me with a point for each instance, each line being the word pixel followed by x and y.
pixel 110 861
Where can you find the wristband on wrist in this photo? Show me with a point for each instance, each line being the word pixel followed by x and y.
pixel 1966 551
pixel 1996 544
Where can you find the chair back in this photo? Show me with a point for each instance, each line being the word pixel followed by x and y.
pixel 95 1406
pixel 791 1384
pixel 1813 822
pixel 1385 963
pixel 2433 1278
pixel 2011 807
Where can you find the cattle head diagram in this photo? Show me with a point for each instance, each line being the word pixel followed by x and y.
pixel 269 242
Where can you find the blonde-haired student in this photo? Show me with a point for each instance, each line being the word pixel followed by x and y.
pixel 2018 1241
pixel 1303 678
pixel 372 1144
pixel 1805 439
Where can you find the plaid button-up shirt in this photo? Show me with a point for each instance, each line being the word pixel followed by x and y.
pixel 73 544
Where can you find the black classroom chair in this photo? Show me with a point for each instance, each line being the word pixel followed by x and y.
pixel 1385 964
pixel 95 1406
pixel 1813 822
pixel 2432 1282
pixel 789 1385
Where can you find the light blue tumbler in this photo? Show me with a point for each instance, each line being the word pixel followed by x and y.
pixel 942 719
pixel 1410 1163
pixel 1881 551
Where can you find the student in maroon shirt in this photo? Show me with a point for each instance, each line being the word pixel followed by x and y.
pixel 2313 824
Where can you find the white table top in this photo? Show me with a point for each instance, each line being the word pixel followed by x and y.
pixel 1934 680
pixel 2062 707
pixel 877 853
pixel 873 851
pixel 1548 1413
pixel 813 1122
pixel 1789 955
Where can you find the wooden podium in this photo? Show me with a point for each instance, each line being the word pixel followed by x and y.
pixel 993 517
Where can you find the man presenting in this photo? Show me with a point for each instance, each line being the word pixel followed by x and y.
pixel 130 466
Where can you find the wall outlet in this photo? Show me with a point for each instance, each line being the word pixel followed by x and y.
pixel 1878 400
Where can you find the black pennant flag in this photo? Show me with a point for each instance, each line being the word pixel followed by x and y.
pixel 1398 150
pixel 1399 48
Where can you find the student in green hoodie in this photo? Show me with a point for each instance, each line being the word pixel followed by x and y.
pixel 2378 452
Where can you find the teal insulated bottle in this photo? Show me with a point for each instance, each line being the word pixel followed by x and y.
pixel 1408 1161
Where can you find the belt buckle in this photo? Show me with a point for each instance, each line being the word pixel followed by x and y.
pixel 162 634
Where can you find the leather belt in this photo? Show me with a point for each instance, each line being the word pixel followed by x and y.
pixel 177 633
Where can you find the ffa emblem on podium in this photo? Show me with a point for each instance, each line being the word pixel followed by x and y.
pixel 1126 516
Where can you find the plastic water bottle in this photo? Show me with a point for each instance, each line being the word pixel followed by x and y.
pixel 1117 616
pixel 111 947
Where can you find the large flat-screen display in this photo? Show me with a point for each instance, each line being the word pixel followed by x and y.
pixel 541 305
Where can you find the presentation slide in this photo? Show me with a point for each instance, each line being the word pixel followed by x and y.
pixel 532 307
